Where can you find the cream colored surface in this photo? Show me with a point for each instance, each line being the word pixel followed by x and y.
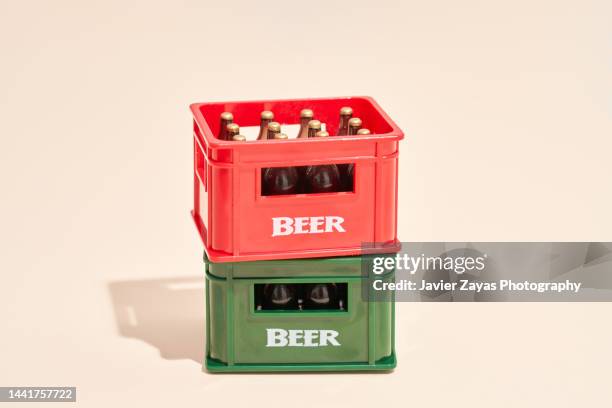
pixel 507 109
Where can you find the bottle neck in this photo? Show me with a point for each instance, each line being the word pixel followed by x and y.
pixel 263 129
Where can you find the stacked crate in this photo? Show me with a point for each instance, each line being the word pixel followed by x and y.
pixel 253 240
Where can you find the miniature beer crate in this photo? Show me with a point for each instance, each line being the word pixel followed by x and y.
pixel 238 223
pixel 240 336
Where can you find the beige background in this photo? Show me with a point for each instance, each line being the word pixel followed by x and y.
pixel 507 111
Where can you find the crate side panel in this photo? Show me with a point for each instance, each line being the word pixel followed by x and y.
pixel 251 334
pixel 221 211
pixel 386 200
pixel 272 220
pixel 217 333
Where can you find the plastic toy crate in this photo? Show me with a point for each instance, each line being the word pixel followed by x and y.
pixel 236 332
pixel 236 221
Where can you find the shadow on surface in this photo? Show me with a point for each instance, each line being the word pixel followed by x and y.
pixel 168 314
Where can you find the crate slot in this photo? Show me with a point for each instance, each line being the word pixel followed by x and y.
pixel 319 179
pixel 300 297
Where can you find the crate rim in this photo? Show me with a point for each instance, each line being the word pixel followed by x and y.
pixel 210 140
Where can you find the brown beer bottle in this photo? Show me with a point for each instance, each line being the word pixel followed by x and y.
pixel 313 127
pixel 321 296
pixel 323 178
pixel 346 113
pixel 349 173
pixel 280 296
pixel 306 116
pixel 346 170
pixel 266 118
pixel 239 138
pixel 354 126
pixel 308 128
pixel 232 130
pixel 279 180
pixel 273 130
pixel 226 119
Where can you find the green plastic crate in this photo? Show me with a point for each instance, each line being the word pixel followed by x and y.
pixel 238 335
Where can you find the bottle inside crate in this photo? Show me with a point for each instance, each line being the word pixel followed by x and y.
pixel 301 297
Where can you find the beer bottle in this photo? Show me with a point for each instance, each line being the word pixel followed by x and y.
pixel 313 127
pixel 280 296
pixel 323 178
pixel 354 126
pixel 346 170
pixel 305 117
pixel 266 118
pixel 348 177
pixel 226 119
pixel 279 180
pixel 308 128
pixel 322 296
pixel 238 138
pixel 232 130
pixel 273 130
pixel 349 173
pixel 346 113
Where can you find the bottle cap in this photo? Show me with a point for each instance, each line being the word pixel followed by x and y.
pixel 355 122
pixel 346 111
pixel 306 113
pixel 227 116
pixel 238 138
pixel 274 126
pixel 364 131
pixel 314 124
pixel 267 115
pixel 233 128
pixel 322 133
pixel 281 136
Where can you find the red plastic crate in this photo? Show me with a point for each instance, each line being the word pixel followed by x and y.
pixel 236 222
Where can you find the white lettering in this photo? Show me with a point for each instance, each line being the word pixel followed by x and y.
pixel 277 338
pixel 310 337
pixel 282 226
pixel 301 338
pixel 315 223
pixel 300 223
pixel 294 338
pixel 334 222
pixel 306 225
pixel 328 335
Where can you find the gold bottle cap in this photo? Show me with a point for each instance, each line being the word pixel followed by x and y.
pixel 269 115
pixel 355 122
pixel 274 126
pixel 238 138
pixel 364 131
pixel 227 116
pixel 346 111
pixel 322 133
pixel 306 113
pixel 314 124
pixel 233 128
pixel 281 136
